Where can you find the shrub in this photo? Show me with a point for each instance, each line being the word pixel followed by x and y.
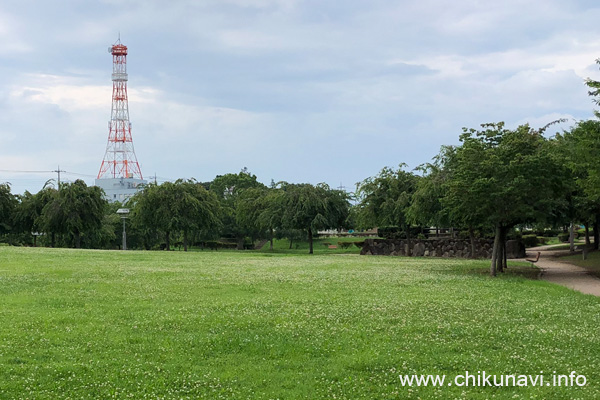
pixel 395 232
pixel 547 232
pixel 389 232
pixel 344 245
pixel 530 240
pixel 359 244
pixel 563 237
pixel 210 244
pixel 514 235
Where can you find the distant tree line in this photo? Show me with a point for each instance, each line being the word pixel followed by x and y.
pixel 235 208
pixel 496 180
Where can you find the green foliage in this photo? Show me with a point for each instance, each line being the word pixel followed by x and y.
pixel 184 207
pixel 548 232
pixel 580 148
pixel 502 177
pixel 563 237
pixel 238 216
pixel 310 208
pixel 594 91
pixel 259 211
pixel 8 204
pixel 426 206
pixel 395 232
pixel 73 211
pixel 530 240
pixel 499 178
pixel 385 198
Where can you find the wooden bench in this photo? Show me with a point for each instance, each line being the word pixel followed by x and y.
pixel 332 246
pixel 533 261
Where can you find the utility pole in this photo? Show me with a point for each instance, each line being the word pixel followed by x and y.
pixel 58 171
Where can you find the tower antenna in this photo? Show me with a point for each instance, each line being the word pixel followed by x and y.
pixel 119 160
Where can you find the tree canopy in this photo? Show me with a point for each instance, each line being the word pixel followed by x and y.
pixel 384 199
pixel 499 178
pixel 311 208
pixel 183 206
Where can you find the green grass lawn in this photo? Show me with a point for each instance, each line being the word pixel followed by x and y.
pixel 172 325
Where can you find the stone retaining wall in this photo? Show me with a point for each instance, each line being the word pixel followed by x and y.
pixel 460 248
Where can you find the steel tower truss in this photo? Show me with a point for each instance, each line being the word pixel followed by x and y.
pixel 119 160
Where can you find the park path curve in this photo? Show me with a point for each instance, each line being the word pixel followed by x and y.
pixel 563 273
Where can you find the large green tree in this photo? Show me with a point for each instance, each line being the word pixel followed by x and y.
pixel 229 189
pixel 183 207
pixel 311 208
pixel 27 215
pixel 580 147
pixel 8 203
pixel 500 177
pixel 74 210
pixel 259 211
pixel 385 199
pixel 426 207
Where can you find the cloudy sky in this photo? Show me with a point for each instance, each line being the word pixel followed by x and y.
pixel 296 90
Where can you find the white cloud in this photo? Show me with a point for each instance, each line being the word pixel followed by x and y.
pixel 64 92
pixel 295 90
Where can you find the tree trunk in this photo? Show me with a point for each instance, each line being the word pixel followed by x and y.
pixel 77 240
pixel 240 243
pixel 52 239
pixel 409 253
pixel 504 260
pixel 310 241
pixel 185 241
pixel 495 251
pixel 167 239
pixel 271 240
pixel 291 243
pixel 472 239
pixel 572 238
pixel 587 235
pixel 437 232
pixel 596 231
pixel 500 253
pixel 34 240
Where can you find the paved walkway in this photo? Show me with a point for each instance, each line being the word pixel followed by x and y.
pixel 565 274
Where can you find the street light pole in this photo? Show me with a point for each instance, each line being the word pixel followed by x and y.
pixel 124 212
pixel 124 236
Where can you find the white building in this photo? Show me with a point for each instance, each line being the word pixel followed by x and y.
pixel 120 189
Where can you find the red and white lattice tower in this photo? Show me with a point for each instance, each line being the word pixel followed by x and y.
pixel 119 160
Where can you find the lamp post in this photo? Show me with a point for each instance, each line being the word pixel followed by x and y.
pixel 124 212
